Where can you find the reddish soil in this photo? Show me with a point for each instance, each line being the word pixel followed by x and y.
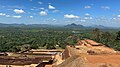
pixel 97 60
pixel 94 55
pixel 48 65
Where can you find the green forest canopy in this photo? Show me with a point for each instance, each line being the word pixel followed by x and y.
pixel 14 39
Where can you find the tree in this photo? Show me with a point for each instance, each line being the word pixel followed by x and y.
pixel 71 40
pixel 50 46
pixel 118 35
pixel 106 39
pixel 96 34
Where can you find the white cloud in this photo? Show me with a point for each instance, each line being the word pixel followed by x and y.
pixel 7 15
pixel 51 7
pixel 87 7
pixel 42 8
pixel 43 13
pixel 105 7
pixel 54 19
pixel 71 16
pixel 87 14
pixel 55 11
pixel 17 17
pixel 2 14
pixel 82 20
pixel 40 2
pixel 114 18
pixel 88 18
pixel 32 9
pixel 118 16
pixel 31 16
pixel 19 11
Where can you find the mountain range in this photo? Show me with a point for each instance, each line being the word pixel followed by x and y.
pixel 73 25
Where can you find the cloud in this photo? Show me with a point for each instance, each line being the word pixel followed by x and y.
pixel 87 14
pixel 7 15
pixel 40 2
pixel 88 18
pixel 118 16
pixel 54 20
pixel 19 11
pixel 51 7
pixel 105 7
pixel 42 8
pixel 32 9
pixel 55 11
pixel 12 7
pixel 71 16
pixel 114 18
pixel 18 17
pixel 82 20
pixel 87 7
pixel 2 14
pixel 43 13
pixel 31 16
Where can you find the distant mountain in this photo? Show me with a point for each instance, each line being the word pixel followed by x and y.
pixel 11 25
pixel 99 26
pixel 78 26
pixel 29 25
pixel 39 25
pixel 73 25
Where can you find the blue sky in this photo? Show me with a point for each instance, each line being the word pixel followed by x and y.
pixel 61 12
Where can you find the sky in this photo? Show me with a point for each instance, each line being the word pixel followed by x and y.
pixel 61 12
